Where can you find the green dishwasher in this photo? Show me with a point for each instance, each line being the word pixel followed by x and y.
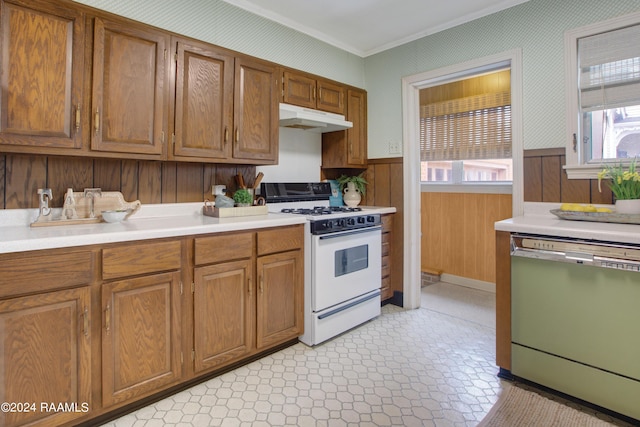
pixel 575 313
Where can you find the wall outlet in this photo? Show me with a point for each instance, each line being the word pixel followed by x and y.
pixel 395 147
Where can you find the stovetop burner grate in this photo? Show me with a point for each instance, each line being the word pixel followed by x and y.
pixel 320 210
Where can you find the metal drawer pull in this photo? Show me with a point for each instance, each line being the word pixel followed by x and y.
pixel 107 318
pixel 97 121
pixel 86 322
pixel 78 118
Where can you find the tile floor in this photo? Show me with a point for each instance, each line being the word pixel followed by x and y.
pixel 428 367
pixel 407 367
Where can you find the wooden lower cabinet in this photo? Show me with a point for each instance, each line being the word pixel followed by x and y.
pixel 235 316
pixel 387 225
pixel 280 298
pixel 223 313
pixel 102 327
pixel 140 336
pixel 45 357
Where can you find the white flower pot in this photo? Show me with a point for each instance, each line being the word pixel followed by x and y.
pixel 351 196
pixel 631 206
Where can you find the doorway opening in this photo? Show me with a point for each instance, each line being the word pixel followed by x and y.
pixel 411 87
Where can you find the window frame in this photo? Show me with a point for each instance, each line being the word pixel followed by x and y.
pixel 488 187
pixel 575 166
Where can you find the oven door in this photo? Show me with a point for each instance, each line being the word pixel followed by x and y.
pixel 344 265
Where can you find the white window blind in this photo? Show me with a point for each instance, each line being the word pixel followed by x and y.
pixel 474 127
pixel 609 65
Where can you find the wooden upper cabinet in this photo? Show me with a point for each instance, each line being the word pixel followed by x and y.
pixel 130 88
pixel 357 135
pixel 330 97
pixel 348 148
pixel 204 101
pixel 306 91
pixel 256 112
pixel 42 63
pixel 299 90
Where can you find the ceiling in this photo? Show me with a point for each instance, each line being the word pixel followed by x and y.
pixel 366 27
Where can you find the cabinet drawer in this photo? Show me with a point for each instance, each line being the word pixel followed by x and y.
pixel 131 260
pixel 385 289
pixel 280 239
pixel 385 244
pixel 386 269
pixel 225 247
pixel 28 274
pixel 387 222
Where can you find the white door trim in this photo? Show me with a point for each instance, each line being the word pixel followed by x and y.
pixel 411 86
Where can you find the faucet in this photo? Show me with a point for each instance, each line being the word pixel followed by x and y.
pixel 44 196
pixel 91 193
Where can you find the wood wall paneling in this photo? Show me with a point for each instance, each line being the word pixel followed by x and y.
pixel 3 160
pixel 145 180
pixel 24 175
pixel 551 170
pixel 458 235
pixel 107 174
pixel 546 181
pixel 382 187
pixel 150 182
pixel 532 172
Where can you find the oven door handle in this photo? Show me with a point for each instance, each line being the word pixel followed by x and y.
pixel 350 233
pixel 350 305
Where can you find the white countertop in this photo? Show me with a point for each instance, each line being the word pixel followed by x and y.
pixel 150 222
pixel 538 220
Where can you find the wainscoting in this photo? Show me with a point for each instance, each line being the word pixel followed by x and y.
pixel 144 180
pixel 546 181
pixel 458 237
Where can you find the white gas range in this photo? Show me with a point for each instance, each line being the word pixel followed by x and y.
pixel 342 258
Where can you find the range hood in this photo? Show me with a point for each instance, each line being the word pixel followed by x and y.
pixel 292 116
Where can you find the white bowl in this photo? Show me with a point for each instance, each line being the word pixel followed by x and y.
pixel 114 216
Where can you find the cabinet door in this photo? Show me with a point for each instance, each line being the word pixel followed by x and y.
pixel 45 355
pixel 330 97
pixel 42 71
pixel 130 77
pixel 299 90
pixel 204 102
pixel 140 336
pixel 357 135
pixel 280 298
pixel 348 148
pixel 223 313
pixel 256 112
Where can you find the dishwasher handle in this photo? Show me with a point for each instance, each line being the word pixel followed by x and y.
pixel 568 257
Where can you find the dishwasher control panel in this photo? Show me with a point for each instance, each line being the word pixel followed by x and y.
pixel 598 254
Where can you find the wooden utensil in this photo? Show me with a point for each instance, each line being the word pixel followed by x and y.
pixel 259 177
pixel 240 180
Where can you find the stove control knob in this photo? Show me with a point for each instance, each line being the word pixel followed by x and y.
pixel 371 218
pixel 351 221
pixel 361 219
pixel 341 223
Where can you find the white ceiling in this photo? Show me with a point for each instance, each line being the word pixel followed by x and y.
pixel 366 27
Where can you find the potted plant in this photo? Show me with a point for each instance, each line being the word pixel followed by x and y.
pixel 243 197
pixel 353 187
pixel 625 186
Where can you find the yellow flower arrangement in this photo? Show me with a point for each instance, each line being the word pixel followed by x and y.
pixel 625 184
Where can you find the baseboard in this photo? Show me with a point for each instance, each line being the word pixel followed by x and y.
pixel 469 283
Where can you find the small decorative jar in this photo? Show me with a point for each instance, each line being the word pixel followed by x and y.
pixel 351 196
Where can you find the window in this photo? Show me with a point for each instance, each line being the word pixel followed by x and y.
pixel 465 130
pixel 603 99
